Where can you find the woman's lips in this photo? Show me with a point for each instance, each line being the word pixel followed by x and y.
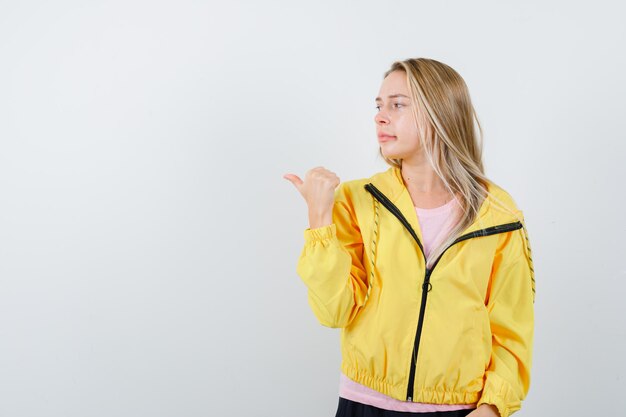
pixel 385 138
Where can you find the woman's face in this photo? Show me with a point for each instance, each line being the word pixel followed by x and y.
pixel 395 118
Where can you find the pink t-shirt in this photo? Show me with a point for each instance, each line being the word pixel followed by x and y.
pixel 435 224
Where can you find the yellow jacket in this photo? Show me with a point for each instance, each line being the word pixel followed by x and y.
pixel 460 332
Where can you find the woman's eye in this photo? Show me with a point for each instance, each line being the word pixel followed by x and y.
pixel 395 104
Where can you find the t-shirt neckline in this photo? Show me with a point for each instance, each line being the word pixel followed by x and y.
pixel 428 212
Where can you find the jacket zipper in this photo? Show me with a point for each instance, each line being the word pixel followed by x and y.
pixel 426 285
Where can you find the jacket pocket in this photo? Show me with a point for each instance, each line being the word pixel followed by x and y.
pixel 483 336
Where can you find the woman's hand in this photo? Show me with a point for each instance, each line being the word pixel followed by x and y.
pixel 318 190
pixel 485 410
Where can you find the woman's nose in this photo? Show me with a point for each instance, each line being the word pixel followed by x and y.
pixel 380 119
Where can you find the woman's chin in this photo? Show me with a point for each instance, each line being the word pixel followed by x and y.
pixel 391 155
pixel 387 149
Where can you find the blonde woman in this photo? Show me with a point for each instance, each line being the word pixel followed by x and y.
pixel 426 267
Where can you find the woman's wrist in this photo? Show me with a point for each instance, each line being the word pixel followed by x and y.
pixel 485 410
pixel 320 218
pixel 489 410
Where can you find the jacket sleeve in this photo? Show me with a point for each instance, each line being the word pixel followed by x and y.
pixel 511 297
pixel 331 266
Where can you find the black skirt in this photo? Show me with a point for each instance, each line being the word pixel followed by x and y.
pixel 349 408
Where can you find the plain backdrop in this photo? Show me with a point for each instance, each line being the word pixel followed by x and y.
pixel 148 242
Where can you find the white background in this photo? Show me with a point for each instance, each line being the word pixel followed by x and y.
pixel 148 242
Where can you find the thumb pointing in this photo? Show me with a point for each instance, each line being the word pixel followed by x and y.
pixel 295 180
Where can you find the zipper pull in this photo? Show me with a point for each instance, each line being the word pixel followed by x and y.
pixel 427 286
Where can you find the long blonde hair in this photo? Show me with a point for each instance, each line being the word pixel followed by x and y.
pixel 448 137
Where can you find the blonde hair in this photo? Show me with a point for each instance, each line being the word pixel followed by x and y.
pixel 445 123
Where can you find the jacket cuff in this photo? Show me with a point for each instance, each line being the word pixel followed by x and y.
pixel 320 233
pixel 499 392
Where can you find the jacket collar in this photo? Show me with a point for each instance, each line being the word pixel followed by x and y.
pixel 391 183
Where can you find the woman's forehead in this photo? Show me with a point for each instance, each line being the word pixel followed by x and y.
pixel 394 85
